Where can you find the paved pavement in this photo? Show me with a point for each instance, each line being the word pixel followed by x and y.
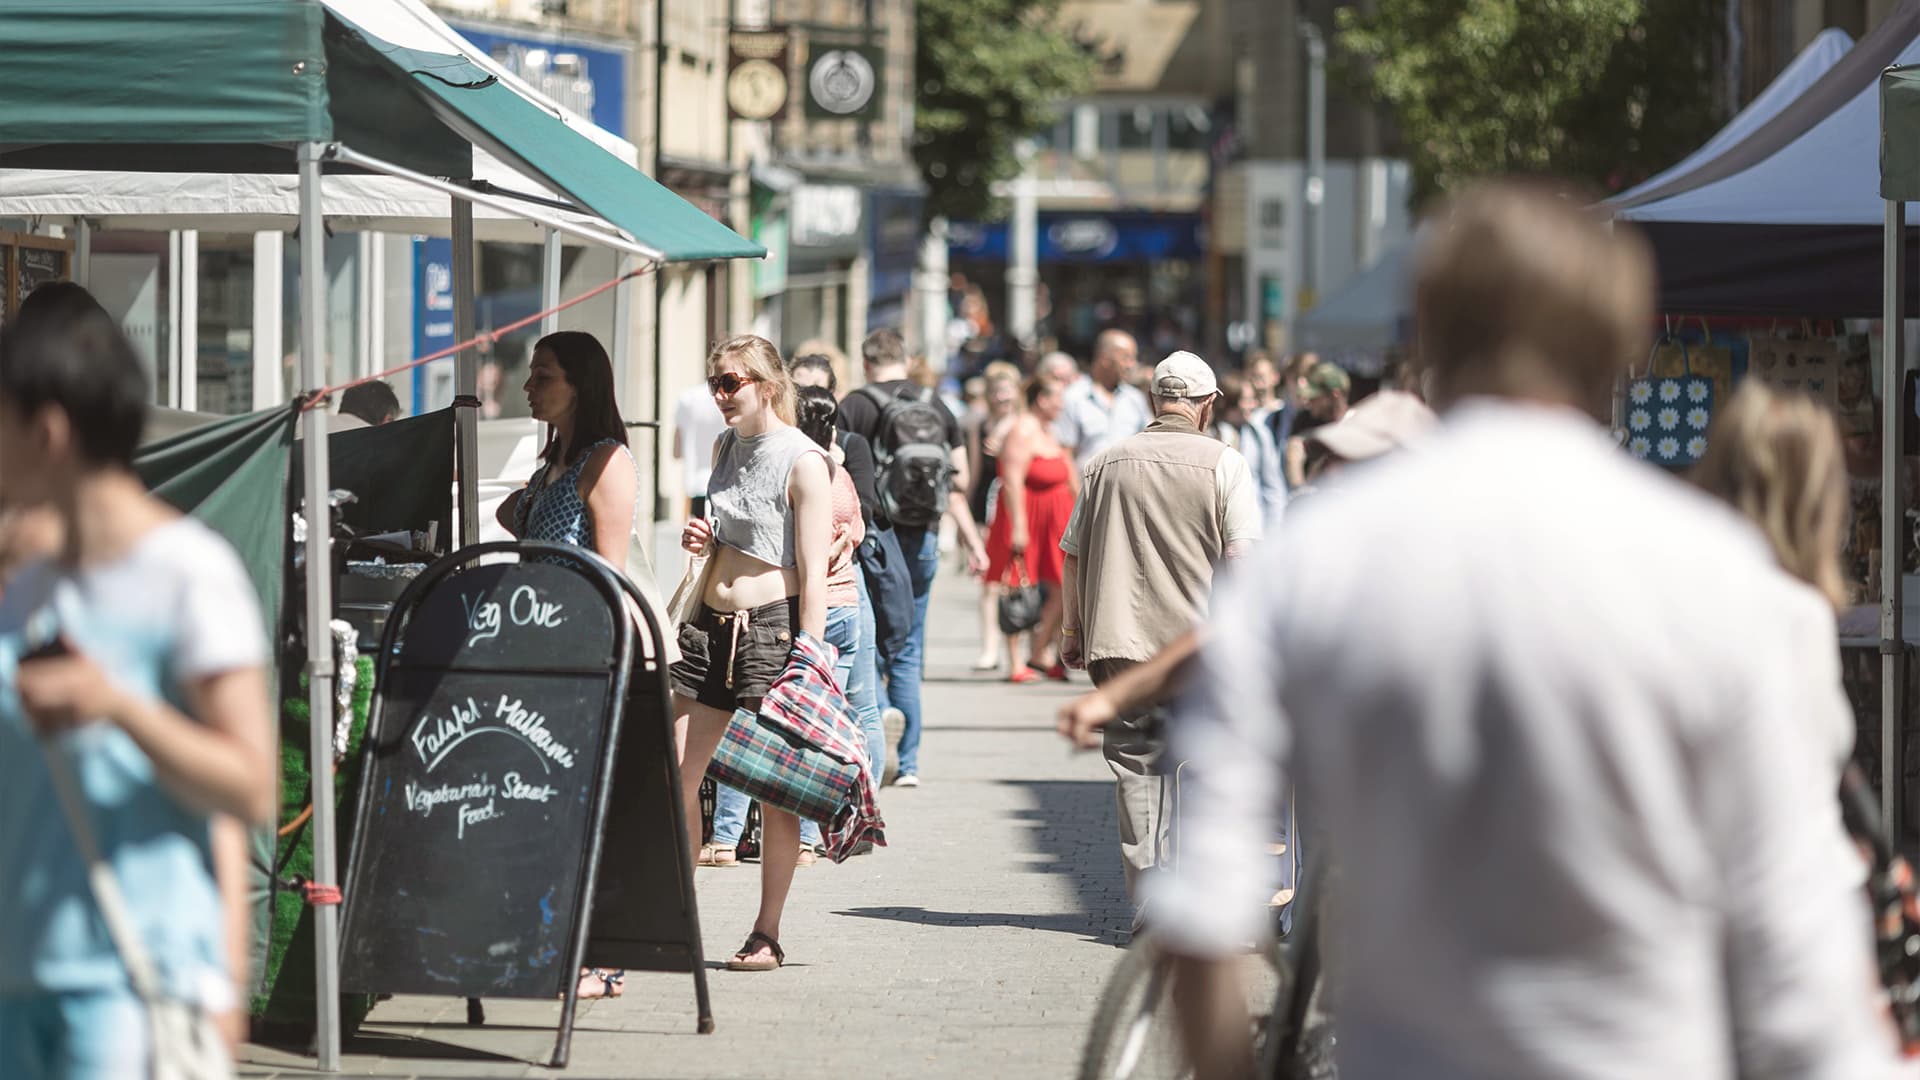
pixel 974 946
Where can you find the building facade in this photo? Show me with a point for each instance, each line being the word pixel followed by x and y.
pixel 1174 200
pixel 1765 35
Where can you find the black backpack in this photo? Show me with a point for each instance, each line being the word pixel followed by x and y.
pixel 912 454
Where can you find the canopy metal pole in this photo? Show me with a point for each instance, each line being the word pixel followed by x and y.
pixel 466 376
pixel 461 194
pixel 550 281
pixel 1893 532
pixel 83 253
pixel 313 376
pixel 622 324
pixel 549 299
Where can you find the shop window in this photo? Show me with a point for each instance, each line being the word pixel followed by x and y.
pixel 1189 128
pixel 1136 126
pixel 223 361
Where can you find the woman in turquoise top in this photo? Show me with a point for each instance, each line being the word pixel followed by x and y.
pixel 586 488
pixel 136 655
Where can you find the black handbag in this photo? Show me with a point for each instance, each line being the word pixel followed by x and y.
pixel 1020 604
pixel 889 587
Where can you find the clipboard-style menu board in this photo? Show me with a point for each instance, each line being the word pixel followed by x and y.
pixel 28 262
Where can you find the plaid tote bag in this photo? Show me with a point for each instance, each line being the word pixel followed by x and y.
pixel 804 753
pixel 1667 416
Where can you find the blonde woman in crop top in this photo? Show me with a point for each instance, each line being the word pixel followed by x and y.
pixel 769 540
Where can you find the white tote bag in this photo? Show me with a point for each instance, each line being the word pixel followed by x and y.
pixel 187 1045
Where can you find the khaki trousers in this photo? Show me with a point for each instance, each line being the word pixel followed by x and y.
pixel 1142 795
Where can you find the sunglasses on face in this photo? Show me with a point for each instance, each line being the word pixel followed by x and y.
pixel 727 382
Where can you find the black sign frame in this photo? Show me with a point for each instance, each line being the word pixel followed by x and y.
pixel 636 681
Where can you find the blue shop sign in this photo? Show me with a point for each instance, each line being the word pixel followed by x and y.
pixel 590 80
pixel 1068 237
pixel 432 306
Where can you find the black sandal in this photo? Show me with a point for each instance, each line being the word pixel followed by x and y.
pixel 745 960
pixel 613 983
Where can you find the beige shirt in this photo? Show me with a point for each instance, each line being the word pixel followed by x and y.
pixel 1155 515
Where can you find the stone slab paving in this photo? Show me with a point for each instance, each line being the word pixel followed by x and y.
pixel 974 946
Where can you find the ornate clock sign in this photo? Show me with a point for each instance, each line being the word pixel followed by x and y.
pixel 757 83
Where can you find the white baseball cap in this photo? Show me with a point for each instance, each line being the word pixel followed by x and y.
pixel 1184 375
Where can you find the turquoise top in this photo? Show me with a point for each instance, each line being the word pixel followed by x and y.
pixel 177 608
pixel 556 512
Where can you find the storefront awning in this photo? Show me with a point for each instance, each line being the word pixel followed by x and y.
pixel 236 85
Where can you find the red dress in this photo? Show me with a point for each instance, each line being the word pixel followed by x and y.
pixel 1049 505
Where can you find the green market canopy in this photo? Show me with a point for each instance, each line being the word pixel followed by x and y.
pixel 236 85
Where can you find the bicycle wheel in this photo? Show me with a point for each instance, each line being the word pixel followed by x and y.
pixel 1134 1036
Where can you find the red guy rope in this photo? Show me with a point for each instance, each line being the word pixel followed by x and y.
pixel 489 339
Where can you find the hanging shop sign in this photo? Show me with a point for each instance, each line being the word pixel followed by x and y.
pixel 843 81
pixel 825 218
pixel 757 81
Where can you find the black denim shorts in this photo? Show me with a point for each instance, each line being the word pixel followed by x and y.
pixel 729 659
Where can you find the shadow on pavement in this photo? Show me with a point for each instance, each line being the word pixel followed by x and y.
pixel 1092 928
pixel 1073 835
pixel 393 1045
pixel 1076 834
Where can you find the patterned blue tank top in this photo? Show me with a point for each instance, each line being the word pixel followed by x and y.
pixel 555 511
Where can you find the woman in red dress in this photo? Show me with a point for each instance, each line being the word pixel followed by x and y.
pixel 1038 484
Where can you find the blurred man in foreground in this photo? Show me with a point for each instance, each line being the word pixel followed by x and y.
pixel 1553 751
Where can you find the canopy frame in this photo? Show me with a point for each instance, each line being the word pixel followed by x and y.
pixel 1893 513
pixel 292 94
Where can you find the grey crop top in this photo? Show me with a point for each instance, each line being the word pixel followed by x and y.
pixel 747 494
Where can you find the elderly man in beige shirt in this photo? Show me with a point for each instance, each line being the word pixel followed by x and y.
pixel 1157 512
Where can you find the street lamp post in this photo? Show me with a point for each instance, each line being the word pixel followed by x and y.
pixel 1316 185
pixel 1023 256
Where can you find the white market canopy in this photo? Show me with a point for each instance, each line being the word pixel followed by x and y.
pixel 1787 221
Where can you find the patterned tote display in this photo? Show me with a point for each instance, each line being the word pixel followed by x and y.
pixel 1667 416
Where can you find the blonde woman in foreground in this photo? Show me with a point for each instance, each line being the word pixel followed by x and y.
pixel 1776 458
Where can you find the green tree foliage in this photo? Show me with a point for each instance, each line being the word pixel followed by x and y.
pixel 991 72
pixel 1603 91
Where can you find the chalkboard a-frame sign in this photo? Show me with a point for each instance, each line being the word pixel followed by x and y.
pixel 499 769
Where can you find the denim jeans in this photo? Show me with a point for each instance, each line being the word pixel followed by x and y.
pixel 863 688
pixel 901 673
pixel 844 633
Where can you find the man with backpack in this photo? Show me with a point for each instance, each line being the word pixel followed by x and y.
pixel 922 473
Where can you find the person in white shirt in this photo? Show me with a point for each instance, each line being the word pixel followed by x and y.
pixel 1536 694
pixel 697 425
pixel 1103 407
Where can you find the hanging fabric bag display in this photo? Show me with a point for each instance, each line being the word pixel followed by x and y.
pixel 1667 415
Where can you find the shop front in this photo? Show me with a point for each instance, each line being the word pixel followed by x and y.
pixel 1139 271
